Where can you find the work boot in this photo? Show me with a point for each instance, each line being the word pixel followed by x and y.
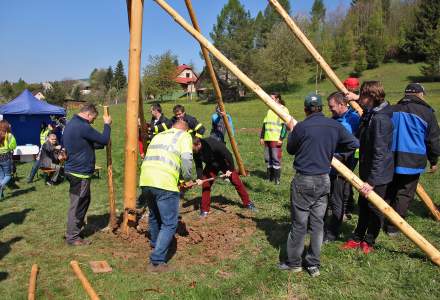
pixel 270 174
pixel 277 176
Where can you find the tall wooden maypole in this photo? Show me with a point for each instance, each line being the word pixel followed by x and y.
pixel 135 12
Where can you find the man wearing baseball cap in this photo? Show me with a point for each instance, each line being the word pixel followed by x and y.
pixel 313 142
pixel 416 141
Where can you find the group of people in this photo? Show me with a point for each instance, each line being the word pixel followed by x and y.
pixel 394 143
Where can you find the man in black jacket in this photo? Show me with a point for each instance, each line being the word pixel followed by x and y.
pixel 217 158
pixel 49 157
pixel 376 163
pixel 195 128
pixel 416 141
pixel 158 121
pixel 81 140
pixel 313 142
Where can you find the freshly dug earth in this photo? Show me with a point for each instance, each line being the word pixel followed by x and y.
pixel 200 240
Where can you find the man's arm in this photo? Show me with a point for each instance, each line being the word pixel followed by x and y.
pixel 347 143
pixel 94 136
pixel 433 141
pixel 294 140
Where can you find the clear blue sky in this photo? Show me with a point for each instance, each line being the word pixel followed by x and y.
pixel 57 39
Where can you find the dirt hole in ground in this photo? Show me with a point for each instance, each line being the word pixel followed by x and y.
pixel 200 240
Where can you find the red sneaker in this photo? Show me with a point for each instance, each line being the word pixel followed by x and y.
pixel 350 244
pixel 366 248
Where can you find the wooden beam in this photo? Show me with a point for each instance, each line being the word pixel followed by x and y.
pixel 112 224
pixel 375 199
pixel 218 92
pixel 337 82
pixel 84 281
pixel 131 135
pixel 33 282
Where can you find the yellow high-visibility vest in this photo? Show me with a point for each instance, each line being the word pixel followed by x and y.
pixel 162 162
pixel 273 125
pixel 43 136
pixel 9 144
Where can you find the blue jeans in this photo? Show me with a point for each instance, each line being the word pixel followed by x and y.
pixel 5 174
pixel 309 196
pixel 163 218
pixel 34 170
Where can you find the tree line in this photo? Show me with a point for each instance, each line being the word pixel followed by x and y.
pixel 367 34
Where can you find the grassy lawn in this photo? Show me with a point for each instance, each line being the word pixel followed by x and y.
pixel 238 260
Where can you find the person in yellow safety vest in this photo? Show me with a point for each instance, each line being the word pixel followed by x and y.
pixel 168 157
pixel 273 132
pixel 46 129
pixel 7 146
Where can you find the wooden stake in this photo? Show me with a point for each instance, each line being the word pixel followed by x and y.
pixel 332 75
pixel 428 202
pixel 84 281
pixel 131 136
pixel 394 218
pixel 33 282
pixel 110 188
pixel 218 92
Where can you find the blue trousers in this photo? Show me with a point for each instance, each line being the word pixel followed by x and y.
pixel 5 174
pixel 163 218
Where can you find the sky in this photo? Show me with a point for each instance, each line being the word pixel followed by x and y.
pixel 49 40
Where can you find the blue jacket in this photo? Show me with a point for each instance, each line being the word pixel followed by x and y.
pixel 314 142
pixel 218 129
pixel 80 141
pixel 416 136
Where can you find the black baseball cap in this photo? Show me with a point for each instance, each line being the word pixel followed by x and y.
pixel 415 88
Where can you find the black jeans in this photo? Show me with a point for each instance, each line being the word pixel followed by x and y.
pixel 340 192
pixel 370 218
pixel 309 196
pixel 79 204
pixel 400 193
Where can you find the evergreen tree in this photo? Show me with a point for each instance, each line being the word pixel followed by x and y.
pixel 6 90
pixel 76 92
pixel 361 62
pixel 432 69
pixel 318 16
pixel 119 78
pixel 420 37
pixel 108 79
pixel 373 39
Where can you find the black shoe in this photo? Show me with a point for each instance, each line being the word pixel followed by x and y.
pixel 277 176
pixel 313 271
pixel 251 207
pixel 286 267
pixel 158 268
pixel 270 174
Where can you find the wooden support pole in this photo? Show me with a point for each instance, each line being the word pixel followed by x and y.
pixel 428 202
pixel 331 74
pixel 33 282
pixel 84 281
pixel 218 92
pixel 394 218
pixel 112 224
pixel 131 136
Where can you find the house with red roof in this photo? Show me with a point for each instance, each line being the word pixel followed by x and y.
pixel 187 78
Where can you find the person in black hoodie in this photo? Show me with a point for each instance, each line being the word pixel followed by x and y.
pixel 195 128
pixel 217 158
pixel 416 141
pixel 376 162
pixel 158 121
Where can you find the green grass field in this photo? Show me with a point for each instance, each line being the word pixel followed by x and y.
pixel 32 224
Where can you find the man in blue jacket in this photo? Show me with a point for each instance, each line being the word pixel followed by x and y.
pixel 416 141
pixel 341 189
pixel 80 141
pixel 313 142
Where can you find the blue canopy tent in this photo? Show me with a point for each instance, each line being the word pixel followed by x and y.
pixel 26 114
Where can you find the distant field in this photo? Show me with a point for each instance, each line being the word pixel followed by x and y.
pixel 238 261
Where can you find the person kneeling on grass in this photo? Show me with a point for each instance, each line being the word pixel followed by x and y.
pixel 376 162
pixel 50 158
pixel 217 158
pixel 313 142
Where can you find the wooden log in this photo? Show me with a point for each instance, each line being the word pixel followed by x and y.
pixel 131 135
pixel 394 218
pixel 333 77
pixel 110 187
pixel 428 202
pixel 84 281
pixel 33 282
pixel 218 92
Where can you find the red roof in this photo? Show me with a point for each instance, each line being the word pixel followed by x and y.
pixel 185 80
pixel 182 68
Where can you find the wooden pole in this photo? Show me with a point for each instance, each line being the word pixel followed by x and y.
pixel 33 282
pixel 331 74
pixel 394 218
pixel 131 137
pixel 428 202
pixel 110 188
pixel 218 92
pixel 84 281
